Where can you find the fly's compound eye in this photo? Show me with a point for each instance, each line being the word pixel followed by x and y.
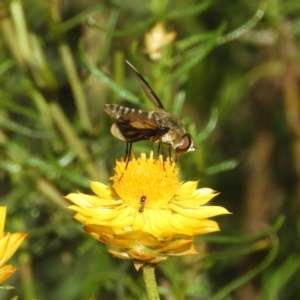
pixel 186 144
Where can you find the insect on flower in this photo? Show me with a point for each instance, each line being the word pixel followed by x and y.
pixel 142 202
pixel 158 126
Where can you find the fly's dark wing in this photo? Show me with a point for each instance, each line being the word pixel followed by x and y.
pixel 146 87
pixel 134 126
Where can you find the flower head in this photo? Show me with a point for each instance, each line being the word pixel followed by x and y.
pixel 9 243
pixel 147 214
pixel 157 39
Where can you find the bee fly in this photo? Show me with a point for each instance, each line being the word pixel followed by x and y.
pixel 158 126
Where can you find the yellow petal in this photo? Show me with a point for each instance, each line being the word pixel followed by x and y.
pixel 186 188
pixel 99 214
pixel 152 224
pixel 194 224
pixel 142 255
pixel 119 253
pixel 91 201
pixel 189 251
pixel 195 199
pixel 139 221
pixel 177 244
pixel 117 225
pixel 2 219
pixel 102 190
pixel 206 227
pixel 138 264
pixel 158 260
pixel 171 218
pixel 6 271
pixel 80 218
pixel 9 245
pixel 202 212
pixel 120 242
pixel 163 226
pixel 78 199
pixel 204 192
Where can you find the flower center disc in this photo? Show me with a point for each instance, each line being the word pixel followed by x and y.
pixel 146 182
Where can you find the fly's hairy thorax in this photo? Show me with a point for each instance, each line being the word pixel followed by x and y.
pixel 165 119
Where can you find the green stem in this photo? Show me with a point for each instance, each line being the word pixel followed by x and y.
pixel 246 27
pixel 21 31
pixel 73 140
pixel 69 67
pixel 150 281
pixel 41 105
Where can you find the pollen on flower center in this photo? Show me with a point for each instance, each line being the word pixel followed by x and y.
pixel 146 182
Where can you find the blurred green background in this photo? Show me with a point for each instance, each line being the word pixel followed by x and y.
pixel 234 85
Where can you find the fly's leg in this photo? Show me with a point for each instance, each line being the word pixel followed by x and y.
pixel 127 156
pixel 158 149
pixel 170 152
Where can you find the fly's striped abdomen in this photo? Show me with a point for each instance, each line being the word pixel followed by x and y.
pixel 116 111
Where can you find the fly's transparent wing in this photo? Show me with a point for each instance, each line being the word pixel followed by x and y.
pixel 146 87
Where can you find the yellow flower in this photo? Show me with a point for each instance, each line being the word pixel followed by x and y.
pixel 9 243
pixel 147 214
pixel 157 39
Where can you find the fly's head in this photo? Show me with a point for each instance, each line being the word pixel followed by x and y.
pixel 184 144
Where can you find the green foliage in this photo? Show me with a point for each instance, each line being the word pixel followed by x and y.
pixel 233 80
